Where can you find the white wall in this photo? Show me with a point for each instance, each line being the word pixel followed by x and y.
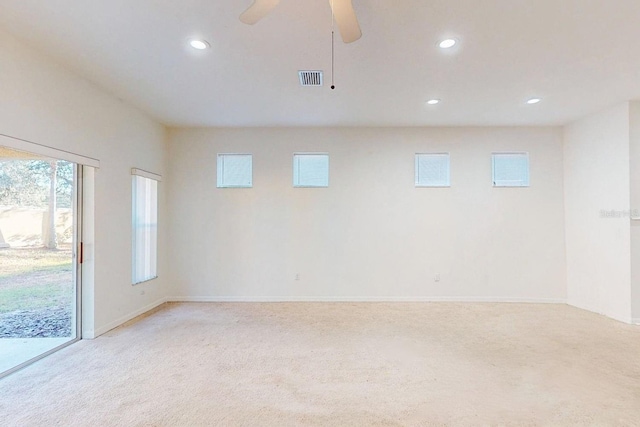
pixel 44 103
pixel 372 234
pixel 634 169
pixel 597 178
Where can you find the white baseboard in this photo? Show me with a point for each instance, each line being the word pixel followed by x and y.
pixel 627 320
pixel 88 334
pixel 112 325
pixel 364 299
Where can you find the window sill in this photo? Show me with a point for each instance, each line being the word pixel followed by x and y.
pixel 144 281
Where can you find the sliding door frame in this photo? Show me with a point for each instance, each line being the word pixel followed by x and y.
pixel 77 255
pixel 78 251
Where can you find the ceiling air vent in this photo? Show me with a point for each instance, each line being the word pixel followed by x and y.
pixel 310 78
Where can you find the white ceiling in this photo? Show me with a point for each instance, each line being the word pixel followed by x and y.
pixel 578 55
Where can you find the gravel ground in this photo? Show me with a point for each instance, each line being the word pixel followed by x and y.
pixel 49 322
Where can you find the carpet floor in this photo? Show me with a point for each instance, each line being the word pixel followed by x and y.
pixel 360 364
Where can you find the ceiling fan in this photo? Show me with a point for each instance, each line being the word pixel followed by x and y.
pixel 342 10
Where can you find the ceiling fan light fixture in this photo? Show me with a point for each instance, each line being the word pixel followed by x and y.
pixel 199 44
pixel 342 12
pixel 447 43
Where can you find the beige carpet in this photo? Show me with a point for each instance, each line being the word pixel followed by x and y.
pixel 339 364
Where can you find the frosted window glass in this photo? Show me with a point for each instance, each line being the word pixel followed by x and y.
pixel 510 169
pixel 235 170
pixel 432 170
pixel 310 170
pixel 145 228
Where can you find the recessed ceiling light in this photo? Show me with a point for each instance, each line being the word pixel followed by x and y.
pixel 199 44
pixel 534 100
pixel 433 101
pixel 447 43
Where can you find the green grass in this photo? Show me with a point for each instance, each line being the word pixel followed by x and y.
pixel 33 278
pixel 34 297
pixel 15 261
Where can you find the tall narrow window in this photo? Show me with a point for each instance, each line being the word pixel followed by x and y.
pixel 145 225
pixel 510 169
pixel 310 170
pixel 432 170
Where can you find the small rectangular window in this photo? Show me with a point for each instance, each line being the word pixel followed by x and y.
pixel 310 170
pixel 235 171
pixel 510 169
pixel 145 225
pixel 433 170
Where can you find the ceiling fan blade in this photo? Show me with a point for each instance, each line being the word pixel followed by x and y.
pixel 258 10
pixel 346 19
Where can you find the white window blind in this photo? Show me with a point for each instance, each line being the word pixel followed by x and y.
pixel 510 169
pixel 432 170
pixel 145 226
pixel 310 170
pixel 235 171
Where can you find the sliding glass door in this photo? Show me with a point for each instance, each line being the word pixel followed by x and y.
pixel 39 266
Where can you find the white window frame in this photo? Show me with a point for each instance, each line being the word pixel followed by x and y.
pixel 417 171
pixel 514 184
pixel 220 171
pixel 296 168
pixel 148 230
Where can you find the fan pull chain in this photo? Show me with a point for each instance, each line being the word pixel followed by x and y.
pixel 333 44
pixel 333 86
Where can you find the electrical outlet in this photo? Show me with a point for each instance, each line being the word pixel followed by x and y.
pixel 436 278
